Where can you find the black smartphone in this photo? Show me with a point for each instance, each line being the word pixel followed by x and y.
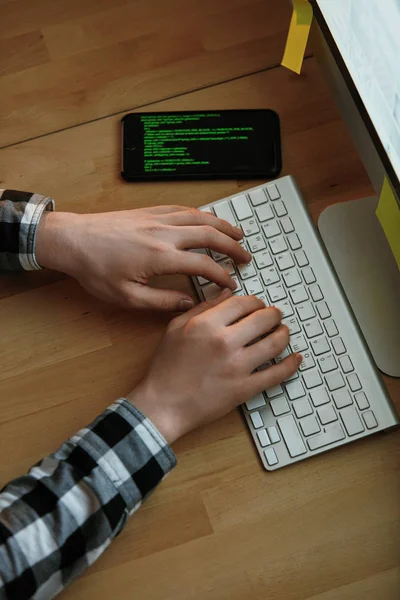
pixel 222 144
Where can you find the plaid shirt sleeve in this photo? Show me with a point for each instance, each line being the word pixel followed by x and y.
pixel 59 518
pixel 20 214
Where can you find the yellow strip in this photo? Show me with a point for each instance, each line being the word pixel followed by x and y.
pixel 388 213
pixel 298 35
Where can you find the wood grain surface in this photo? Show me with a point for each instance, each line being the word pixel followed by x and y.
pixel 219 527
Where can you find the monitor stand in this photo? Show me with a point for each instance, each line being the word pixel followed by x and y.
pixel 369 275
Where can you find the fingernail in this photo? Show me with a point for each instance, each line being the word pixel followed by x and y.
pixel 225 292
pixel 238 232
pixel 249 257
pixel 185 305
pixel 299 358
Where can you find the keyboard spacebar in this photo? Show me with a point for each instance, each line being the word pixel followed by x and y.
pixel 291 435
pixel 333 433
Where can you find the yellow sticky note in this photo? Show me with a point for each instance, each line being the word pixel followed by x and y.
pixel 388 213
pixel 298 35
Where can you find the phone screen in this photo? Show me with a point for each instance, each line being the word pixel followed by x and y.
pixel 201 145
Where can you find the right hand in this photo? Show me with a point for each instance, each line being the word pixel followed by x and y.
pixel 204 366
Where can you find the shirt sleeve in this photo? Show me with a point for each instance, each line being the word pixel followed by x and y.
pixel 60 517
pixel 20 214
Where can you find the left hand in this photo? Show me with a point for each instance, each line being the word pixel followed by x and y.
pixel 113 255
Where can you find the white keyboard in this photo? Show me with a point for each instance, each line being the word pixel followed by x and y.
pixel 336 396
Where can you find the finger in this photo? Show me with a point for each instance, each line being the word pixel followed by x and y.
pixel 233 309
pixel 191 263
pixel 269 378
pixel 267 348
pixel 193 216
pixel 201 308
pixel 207 237
pixel 147 298
pixel 256 324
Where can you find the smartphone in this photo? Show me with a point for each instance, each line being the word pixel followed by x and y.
pixel 223 144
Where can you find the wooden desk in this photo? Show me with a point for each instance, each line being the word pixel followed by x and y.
pixel 219 527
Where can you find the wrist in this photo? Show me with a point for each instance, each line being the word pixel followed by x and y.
pixel 57 241
pixel 149 404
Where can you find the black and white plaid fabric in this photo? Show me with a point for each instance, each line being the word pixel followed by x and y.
pixel 59 518
pixel 20 213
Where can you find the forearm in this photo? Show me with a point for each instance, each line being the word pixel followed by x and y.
pixel 57 520
pixel 20 214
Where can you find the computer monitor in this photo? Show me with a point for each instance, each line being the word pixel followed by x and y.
pixel 357 45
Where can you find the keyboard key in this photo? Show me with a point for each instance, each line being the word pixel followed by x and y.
pixel 211 291
pixel 291 277
pixel 282 356
pixel 291 436
pixel 308 361
pixel 217 255
pixel 263 437
pixel 330 327
pixel 284 261
pixel 302 408
pixel 253 286
pixel 273 434
pixel 250 226
pixel 201 251
pixel 273 192
pixel 277 245
pixel 362 400
pixel 292 324
pixel 280 208
pixel 270 456
pixel 256 419
pixel 295 390
pixel 315 292
pixel 338 345
pixel 333 433
pixel 276 293
pixel 308 275
pixel 342 398
pixel 227 264
pixel 263 297
pixel 271 229
pixel 256 243
pixel 346 364
pixel 279 406
pixel 298 343
pixel 292 377
pixel 312 328
pixel 327 363
pixel 353 382
pixel 287 225
pixel 258 197
pixel 285 307
pixel 320 397
pixel 323 310
pixel 312 379
pixel 369 419
pixel 294 241
pixel 334 381
pixel 320 345
pixel 309 425
pixel 202 281
pixel 207 209
pixel 246 271
pixel 263 259
pixel 265 213
pixel 224 211
pixel 269 275
pixel 326 414
pixel 238 284
pixel 301 258
pixel 256 402
pixel 274 391
pixel 241 207
pixel 305 311
pixel 239 293
pixel 298 294
pixel 351 421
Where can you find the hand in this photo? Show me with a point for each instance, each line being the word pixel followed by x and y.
pixel 204 366
pixel 113 255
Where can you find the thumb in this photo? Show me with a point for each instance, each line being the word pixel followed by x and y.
pixel 148 298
